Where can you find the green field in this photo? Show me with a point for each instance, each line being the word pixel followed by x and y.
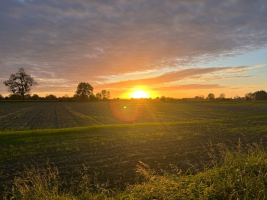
pixel 86 137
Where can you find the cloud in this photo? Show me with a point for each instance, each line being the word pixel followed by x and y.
pixel 212 78
pixel 84 40
pixel 190 87
pixel 206 74
pixel 242 69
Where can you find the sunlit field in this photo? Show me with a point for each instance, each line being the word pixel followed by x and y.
pixel 133 100
pixel 114 144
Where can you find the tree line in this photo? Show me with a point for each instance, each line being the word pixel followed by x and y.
pixel 21 83
pixel 258 95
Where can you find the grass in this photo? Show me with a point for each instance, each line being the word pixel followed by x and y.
pixel 86 144
pixel 240 174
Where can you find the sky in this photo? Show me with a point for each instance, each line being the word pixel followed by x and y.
pixel 172 48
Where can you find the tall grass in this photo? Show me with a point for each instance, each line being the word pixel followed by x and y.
pixel 242 174
pixel 44 183
pixel 238 174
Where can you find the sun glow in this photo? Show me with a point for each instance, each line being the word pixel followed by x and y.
pixel 139 94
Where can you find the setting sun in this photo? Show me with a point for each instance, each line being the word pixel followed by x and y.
pixel 121 99
pixel 139 94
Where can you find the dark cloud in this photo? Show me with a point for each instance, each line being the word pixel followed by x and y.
pixel 82 40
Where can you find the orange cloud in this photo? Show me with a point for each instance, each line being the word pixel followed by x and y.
pixel 189 87
pixel 175 76
pixel 87 40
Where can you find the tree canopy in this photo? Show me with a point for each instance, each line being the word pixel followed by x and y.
pixel 105 94
pixel 20 83
pixel 260 95
pixel 84 90
pixel 211 96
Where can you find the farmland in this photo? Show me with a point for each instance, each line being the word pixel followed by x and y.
pixel 56 115
pixel 108 141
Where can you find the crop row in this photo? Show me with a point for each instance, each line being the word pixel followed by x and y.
pixel 43 115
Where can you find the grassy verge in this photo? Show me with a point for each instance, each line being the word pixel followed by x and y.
pixel 241 174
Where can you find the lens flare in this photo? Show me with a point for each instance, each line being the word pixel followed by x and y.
pixel 127 110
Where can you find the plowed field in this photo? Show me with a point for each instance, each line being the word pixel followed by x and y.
pixel 108 141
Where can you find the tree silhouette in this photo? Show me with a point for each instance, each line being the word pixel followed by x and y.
pixel 51 97
pixel 222 96
pixel 211 96
pixel 84 90
pixel 260 95
pixel 249 96
pixel 28 97
pixel 20 83
pixel 105 94
pixel 35 97
pixel 98 96
pixel 163 98
pixel 15 97
pixel 92 97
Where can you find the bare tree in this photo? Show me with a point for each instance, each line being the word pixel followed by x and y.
pixel 20 83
